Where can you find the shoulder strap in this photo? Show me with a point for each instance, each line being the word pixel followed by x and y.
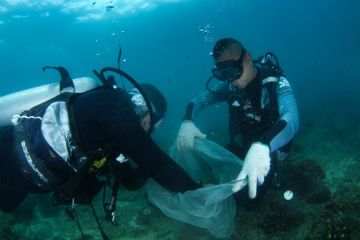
pixel 84 162
pixel 270 79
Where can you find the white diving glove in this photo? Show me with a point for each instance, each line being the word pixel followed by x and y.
pixel 256 167
pixel 187 134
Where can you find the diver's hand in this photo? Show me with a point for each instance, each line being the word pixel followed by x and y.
pixel 256 167
pixel 186 135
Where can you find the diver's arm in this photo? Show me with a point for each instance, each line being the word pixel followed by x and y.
pixel 287 125
pixel 154 162
pixel 162 168
pixel 204 100
pixel 121 126
pixel 188 131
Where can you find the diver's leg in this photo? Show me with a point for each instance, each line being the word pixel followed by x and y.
pixel 9 199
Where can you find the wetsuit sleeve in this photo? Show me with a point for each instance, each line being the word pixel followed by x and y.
pixel 287 125
pixel 204 100
pixel 121 126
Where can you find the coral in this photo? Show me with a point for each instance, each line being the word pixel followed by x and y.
pixel 146 216
pixel 280 218
pixel 321 195
pixel 336 228
pixel 306 178
pixel 340 220
pixel 6 233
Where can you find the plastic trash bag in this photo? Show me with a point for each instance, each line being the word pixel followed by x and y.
pixel 211 207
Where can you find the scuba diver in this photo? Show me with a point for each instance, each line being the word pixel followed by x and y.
pixel 262 110
pixel 65 143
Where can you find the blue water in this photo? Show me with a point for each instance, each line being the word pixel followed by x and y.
pixel 317 43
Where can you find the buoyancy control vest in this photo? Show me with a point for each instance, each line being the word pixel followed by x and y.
pixel 253 110
pixel 50 155
pixel 45 144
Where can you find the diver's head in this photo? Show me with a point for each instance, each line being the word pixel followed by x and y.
pixel 158 105
pixel 233 63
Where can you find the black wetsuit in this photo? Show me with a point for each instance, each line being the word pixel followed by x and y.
pixel 104 118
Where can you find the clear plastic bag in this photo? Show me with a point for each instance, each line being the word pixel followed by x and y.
pixel 211 207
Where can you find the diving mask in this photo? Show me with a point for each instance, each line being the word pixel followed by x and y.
pixel 229 70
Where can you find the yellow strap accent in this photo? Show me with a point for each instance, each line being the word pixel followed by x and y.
pixel 98 164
